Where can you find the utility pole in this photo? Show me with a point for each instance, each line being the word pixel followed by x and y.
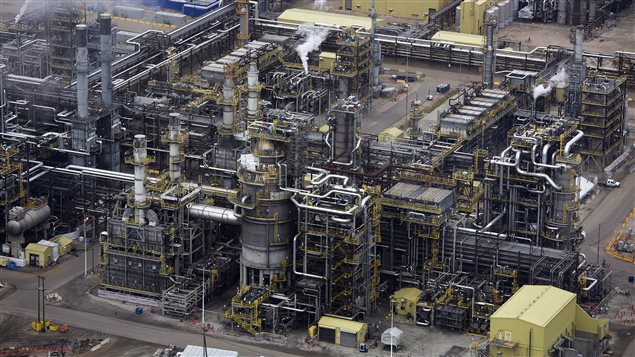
pixel 85 256
pixel 392 314
pixel 598 254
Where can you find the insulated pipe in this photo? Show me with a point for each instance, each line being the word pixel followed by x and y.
pixel 82 71
pixel 545 153
pixel 593 284
pixel 174 131
pixel 569 144
pixel 32 218
pixel 213 213
pixel 295 271
pixel 252 86
pixel 541 175
pixel 140 154
pixel 539 164
pixel 105 39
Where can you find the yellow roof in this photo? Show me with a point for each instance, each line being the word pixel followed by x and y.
pixel 394 132
pixel 342 324
pixel 535 304
pixel 410 294
pixel 326 54
pixel 300 16
pixel 61 240
pixel 37 248
pixel 459 38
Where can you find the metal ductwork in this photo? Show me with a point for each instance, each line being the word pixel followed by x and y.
pixel 213 213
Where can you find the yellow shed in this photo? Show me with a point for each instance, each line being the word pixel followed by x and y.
pixel 341 331
pixel 65 244
pixel 38 254
pixel 390 134
pixel 327 60
pixel 301 16
pixel 405 301
pixel 537 317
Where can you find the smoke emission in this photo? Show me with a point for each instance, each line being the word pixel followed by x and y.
pixel 558 79
pixel 20 13
pixel 320 5
pixel 313 38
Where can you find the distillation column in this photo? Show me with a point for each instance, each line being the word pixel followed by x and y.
pixel 175 140
pixel 110 125
pixel 83 135
pixel 345 123
pixel 253 112
pixel 140 161
pixel 242 9
pixel 577 74
pixel 489 59
pixel 376 60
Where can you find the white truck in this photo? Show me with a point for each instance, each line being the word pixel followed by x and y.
pixel 612 183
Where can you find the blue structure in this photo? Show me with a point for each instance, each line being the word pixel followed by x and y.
pixel 187 7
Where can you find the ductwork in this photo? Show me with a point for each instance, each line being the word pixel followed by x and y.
pixel 31 219
pixel 213 213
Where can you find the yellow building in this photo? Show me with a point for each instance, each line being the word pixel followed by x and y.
pixel 301 16
pixel 473 15
pixel 65 244
pixel 341 331
pixel 38 255
pixel 405 301
pixel 540 318
pixel 412 9
pixel 390 134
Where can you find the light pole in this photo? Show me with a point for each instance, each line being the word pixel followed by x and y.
pixel 392 314
pixel 85 256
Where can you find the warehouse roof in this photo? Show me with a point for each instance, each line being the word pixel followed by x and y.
pixel 300 16
pixel 343 324
pixel 459 38
pixel 418 193
pixel 535 304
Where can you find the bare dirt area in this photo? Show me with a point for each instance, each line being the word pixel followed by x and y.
pixel 16 332
pixel 608 40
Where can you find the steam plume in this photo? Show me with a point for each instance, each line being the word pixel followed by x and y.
pixel 20 13
pixel 559 79
pixel 320 5
pixel 313 38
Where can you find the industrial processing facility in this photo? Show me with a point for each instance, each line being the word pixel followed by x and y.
pixel 239 155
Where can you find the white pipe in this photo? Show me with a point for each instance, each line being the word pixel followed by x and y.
pixel 567 147
pixel 583 260
pixel 541 175
pixel 545 153
pixel 593 284
pixel 213 213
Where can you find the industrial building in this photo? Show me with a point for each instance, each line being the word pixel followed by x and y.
pixel 198 155
pixel 543 320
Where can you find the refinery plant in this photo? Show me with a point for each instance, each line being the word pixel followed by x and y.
pixel 221 154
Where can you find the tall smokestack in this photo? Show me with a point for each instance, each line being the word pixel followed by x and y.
pixel 579 40
pixel 376 54
pixel 140 154
pixel 243 32
pixel 82 71
pixel 489 64
pixel 105 39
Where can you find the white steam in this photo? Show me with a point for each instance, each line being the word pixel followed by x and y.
pixel 20 13
pixel 313 38
pixel 320 5
pixel 559 80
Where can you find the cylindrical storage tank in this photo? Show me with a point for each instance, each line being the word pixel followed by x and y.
pixel 31 219
pixel 501 15
pixel 508 13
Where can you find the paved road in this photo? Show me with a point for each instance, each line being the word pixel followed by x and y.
pixel 23 302
pixel 609 208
